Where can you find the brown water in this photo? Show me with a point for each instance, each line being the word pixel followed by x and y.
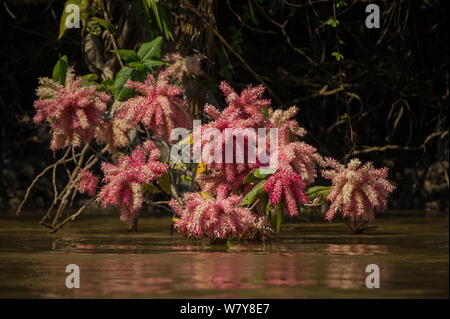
pixel 308 260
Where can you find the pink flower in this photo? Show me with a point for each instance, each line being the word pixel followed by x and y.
pixel 357 190
pixel 243 111
pixel 88 183
pixel 73 110
pixel 158 108
pixel 113 132
pixel 123 182
pixel 286 125
pixel 300 157
pixel 287 184
pixel 214 218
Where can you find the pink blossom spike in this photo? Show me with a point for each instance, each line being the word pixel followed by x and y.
pixel 73 111
pixel 286 184
pixel 159 106
pixel 88 183
pixel 357 191
pixel 123 181
pixel 214 218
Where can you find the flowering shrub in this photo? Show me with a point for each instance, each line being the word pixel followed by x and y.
pixel 72 110
pixel 214 195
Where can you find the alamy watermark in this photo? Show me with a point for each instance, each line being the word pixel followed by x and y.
pixel 373 19
pixel 73 17
pixel 373 279
pixel 73 280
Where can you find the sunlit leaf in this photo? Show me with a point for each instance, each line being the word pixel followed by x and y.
pixel 205 195
pixel 253 195
pixel 150 64
pixel 150 49
pixel 127 55
pixel 60 70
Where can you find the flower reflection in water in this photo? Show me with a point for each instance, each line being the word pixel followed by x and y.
pixel 196 270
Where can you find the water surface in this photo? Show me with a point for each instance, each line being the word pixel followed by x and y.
pixel 307 260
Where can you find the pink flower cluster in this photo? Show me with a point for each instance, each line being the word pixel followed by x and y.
pixel 214 218
pixel 123 182
pixel 357 190
pixel 88 182
pixel 296 160
pixel 288 184
pixel 295 156
pixel 73 111
pixel 296 163
pixel 243 111
pixel 159 107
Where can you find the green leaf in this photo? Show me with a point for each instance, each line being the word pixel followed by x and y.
pixel 108 83
pixel 315 189
pixel 90 77
pixel 338 56
pixel 166 27
pixel 324 194
pixel 205 195
pixel 137 66
pixel 250 178
pixel 341 3
pixel 258 174
pixel 164 182
pixel 255 176
pixel 121 77
pixel 150 49
pixel 154 6
pixel 318 191
pixel 333 22
pixel 253 195
pixel 125 74
pixel 150 64
pixel 127 55
pixel 60 70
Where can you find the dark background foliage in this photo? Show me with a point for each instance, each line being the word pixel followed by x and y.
pixel 385 100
